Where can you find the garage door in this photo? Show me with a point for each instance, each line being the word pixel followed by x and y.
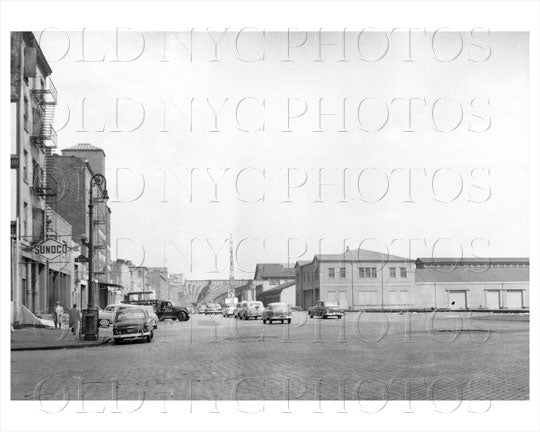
pixel 367 298
pixel 457 299
pixel 514 299
pixel 493 299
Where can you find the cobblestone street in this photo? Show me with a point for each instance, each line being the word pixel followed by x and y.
pixel 364 356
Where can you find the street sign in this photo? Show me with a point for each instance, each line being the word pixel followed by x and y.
pixel 81 258
pixel 50 249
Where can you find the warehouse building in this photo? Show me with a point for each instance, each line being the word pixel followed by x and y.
pixel 493 283
pixel 367 280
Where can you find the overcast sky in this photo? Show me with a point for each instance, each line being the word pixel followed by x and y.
pixel 466 141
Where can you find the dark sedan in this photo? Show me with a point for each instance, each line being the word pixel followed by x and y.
pixel 132 323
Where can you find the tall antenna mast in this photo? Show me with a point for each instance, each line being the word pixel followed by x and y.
pixel 230 293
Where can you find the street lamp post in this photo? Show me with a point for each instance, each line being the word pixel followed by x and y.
pixel 90 315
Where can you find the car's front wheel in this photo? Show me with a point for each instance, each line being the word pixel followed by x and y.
pixel 182 316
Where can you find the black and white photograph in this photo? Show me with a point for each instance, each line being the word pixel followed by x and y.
pixel 269 216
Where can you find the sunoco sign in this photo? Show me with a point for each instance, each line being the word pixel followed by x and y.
pixel 50 249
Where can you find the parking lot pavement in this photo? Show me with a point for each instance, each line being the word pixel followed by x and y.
pixel 363 356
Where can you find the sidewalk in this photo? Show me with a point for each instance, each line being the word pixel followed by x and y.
pixel 35 338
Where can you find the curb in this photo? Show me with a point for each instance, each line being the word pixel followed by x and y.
pixel 58 347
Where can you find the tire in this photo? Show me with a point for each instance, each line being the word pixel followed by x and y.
pixel 281 321
pixel 324 316
pixel 264 321
pixel 104 322
pixel 182 316
pixel 148 338
pixel 310 315
pixel 339 317
pixel 289 321
pixel 116 341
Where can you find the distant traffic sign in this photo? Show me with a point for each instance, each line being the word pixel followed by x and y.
pixel 50 249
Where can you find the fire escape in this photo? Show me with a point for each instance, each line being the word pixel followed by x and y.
pixel 44 137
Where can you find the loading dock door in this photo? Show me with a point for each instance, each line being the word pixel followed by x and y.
pixel 514 299
pixel 457 299
pixel 493 299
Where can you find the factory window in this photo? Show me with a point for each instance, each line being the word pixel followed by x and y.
pixel 392 272
pixel 367 272
pixel 331 273
pixel 403 272
pixel 342 272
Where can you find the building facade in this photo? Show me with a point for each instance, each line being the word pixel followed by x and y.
pixel 159 282
pixel 36 282
pixel 69 176
pixel 284 293
pixel 270 275
pixel 493 283
pixel 364 280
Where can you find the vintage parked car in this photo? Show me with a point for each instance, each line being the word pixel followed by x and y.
pixel 228 310
pixel 325 309
pixel 106 316
pixel 165 309
pixel 238 307
pixel 212 308
pixel 250 309
pixel 132 323
pixel 277 312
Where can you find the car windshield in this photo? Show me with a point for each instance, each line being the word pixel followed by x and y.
pixel 279 305
pixel 129 314
pixel 253 304
pixel 330 303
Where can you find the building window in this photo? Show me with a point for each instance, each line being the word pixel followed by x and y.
pixel 392 272
pixel 331 273
pixel 367 272
pixel 25 114
pixel 25 219
pixel 25 166
pixel 342 272
pixel 403 272
pixel 36 174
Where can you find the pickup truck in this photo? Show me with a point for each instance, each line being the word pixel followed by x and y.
pixel 165 309
pixel 325 309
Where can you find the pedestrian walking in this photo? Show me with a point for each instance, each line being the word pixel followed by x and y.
pixel 58 312
pixel 74 319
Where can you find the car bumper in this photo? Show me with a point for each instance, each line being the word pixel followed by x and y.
pixel 131 335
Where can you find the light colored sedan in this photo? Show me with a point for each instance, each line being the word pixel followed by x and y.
pixel 106 316
pixel 277 312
